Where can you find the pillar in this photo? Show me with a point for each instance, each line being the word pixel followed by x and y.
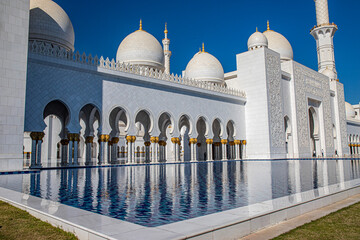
pixel 193 142
pixel 133 156
pixel 88 141
pixel 224 152
pixel 152 149
pixel 76 149
pixel 177 146
pixel 70 151
pixel 129 148
pixel 237 149
pixel 103 139
pixel 33 136
pixel 115 141
pixel 147 152
pixel 244 148
pixel 156 146
pixel 209 143
pixel 64 152
pixel 174 141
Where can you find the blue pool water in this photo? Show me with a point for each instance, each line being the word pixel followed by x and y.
pixel 153 195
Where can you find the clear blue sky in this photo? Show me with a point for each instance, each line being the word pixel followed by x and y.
pixel 224 26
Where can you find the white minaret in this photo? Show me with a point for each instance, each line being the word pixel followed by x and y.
pixel 167 52
pixel 324 34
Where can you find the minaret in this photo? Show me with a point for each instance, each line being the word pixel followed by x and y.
pixel 324 34
pixel 167 52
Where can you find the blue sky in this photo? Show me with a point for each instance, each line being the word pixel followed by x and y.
pixel 224 26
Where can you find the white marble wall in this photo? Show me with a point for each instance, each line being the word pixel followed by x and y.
pixel 14 27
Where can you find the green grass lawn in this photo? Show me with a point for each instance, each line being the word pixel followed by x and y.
pixel 343 224
pixel 18 224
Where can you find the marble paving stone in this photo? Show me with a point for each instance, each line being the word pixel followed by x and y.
pixel 148 234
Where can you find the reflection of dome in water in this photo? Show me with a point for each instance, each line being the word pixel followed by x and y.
pixel 205 67
pixel 141 48
pixel 50 23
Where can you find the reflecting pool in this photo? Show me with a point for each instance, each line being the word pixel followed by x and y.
pixel 153 195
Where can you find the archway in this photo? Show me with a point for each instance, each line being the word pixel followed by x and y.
pixel 56 116
pixel 314 132
pixel 217 147
pixel 201 140
pixel 89 118
pixel 166 151
pixel 143 125
pixel 184 126
pixel 118 121
pixel 230 130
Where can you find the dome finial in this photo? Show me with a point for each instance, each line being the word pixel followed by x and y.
pixel 268 25
pixel 166 31
pixel 140 27
pixel 256 29
pixel 203 47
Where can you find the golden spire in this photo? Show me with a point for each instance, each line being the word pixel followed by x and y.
pixel 203 47
pixel 140 27
pixel 268 25
pixel 166 31
pixel 256 29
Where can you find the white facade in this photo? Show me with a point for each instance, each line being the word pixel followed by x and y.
pixel 82 109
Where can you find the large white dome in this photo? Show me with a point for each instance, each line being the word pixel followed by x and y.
pixel 257 40
pixel 350 111
pixel 205 67
pixel 280 44
pixel 50 23
pixel 141 48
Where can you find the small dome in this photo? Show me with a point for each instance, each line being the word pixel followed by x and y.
pixel 50 23
pixel 205 67
pixel 257 40
pixel 350 111
pixel 280 44
pixel 329 73
pixel 141 48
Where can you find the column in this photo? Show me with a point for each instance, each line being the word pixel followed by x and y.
pixel 156 146
pixel 224 152
pixel 115 142
pixel 133 156
pixel 147 152
pixel 244 148
pixel 64 146
pixel 88 141
pixel 76 149
pixel 152 149
pixel 174 143
pixel 110 152
pixel 106 149
pixel 103 139
pixel 70 152
pixel 39 142
pixel 177 148
pixel 33 136
pixel 129 148
pixel 209 143
pixel 237 149
pixel 193 142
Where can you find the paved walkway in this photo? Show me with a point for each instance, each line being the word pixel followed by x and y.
pixel 283 227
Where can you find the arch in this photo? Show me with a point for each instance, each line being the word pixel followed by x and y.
pixel 166 127
pixel 59 109
pixel 230 130
pixel 185 128
pixel 89 113
pixel 119 121
pixel 148 118
pixel 231 147
pixel 202 130
pixel 314 132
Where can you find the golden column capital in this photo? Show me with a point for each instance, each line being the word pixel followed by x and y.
pixel 115 140
pixel 224 141
pixel 152 139
pixel 209 141
pixel 104 138
pixel 193 140
pixel 162 143
pixel 244 142
pixel 232 143
pixel 237 142
pixel 37 135
pixel 147 144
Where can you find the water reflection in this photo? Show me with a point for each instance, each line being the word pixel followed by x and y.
pixel 153 195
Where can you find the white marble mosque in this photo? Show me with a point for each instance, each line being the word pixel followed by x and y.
pixel 82 109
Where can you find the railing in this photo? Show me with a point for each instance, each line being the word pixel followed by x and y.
pixel 45 49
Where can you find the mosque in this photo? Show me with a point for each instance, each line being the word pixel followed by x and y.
pixel 64 108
